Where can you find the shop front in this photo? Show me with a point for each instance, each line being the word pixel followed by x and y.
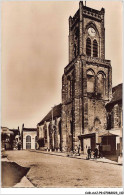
pixel 109 143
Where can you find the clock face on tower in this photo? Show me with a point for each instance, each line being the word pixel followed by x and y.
pixel 91 31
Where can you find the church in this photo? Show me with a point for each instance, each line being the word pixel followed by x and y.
pixel 89 103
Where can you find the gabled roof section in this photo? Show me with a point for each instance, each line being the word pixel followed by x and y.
pixel 116 94
pixel 56 113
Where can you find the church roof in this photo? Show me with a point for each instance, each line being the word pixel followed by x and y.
pixel 56 113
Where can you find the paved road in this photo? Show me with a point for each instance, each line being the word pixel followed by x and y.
pixel 57 171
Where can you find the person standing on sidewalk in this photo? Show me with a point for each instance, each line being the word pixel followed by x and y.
pixel 89 152
pixel 79 150
pixel 96 153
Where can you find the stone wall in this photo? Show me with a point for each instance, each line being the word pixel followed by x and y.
pixel 50 132
pixel 83 18
pixel 84 109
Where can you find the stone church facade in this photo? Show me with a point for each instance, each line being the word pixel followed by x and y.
pixel 86 87
pixel 87 80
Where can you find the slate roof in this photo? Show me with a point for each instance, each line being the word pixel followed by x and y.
pixel 116 95
pixel 14 130
pixel 29 129
pixel 56 113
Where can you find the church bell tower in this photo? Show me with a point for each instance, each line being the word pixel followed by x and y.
pixel 86 82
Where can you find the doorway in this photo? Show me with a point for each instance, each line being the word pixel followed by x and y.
pixel 28 142
pixel 87 143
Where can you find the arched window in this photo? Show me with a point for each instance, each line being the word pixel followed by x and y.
pixel 90 81
pixel 28 142
pixel 77 33
pixel 28 138
pixel 97 123
pixel 76 42
pixel 95 48
pixel 101 84
pixel 88 47
pixel 45 132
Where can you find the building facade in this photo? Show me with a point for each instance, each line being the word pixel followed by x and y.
pixel 29 138
pixel 10 138
pixel 89 104
pixel 114 122
pixel 49 130
pixel 86 82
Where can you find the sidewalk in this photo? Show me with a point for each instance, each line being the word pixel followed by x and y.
pixel 82 156
pixel 24 183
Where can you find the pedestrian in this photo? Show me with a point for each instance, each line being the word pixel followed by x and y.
pixel 100 151
pixel 89 152
pixel 79 150
pixel 95 153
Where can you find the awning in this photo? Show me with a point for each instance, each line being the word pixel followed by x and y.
pixel 108 135
pixel 90 135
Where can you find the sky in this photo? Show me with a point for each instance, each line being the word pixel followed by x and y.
pixel 35 51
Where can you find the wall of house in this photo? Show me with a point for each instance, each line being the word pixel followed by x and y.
pixel 114 113
pixel 33 134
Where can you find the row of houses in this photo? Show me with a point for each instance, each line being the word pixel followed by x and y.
pixel 10 138
pixel 17 139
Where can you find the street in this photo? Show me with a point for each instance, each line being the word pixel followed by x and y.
pixel 56 171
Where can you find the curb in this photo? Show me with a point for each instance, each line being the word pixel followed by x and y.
pixel 24 183
pixel 57 154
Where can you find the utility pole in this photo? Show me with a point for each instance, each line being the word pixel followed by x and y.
pixel 53 126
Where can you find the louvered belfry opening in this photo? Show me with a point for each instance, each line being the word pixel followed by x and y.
pixel 95 49
pixel 88 47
